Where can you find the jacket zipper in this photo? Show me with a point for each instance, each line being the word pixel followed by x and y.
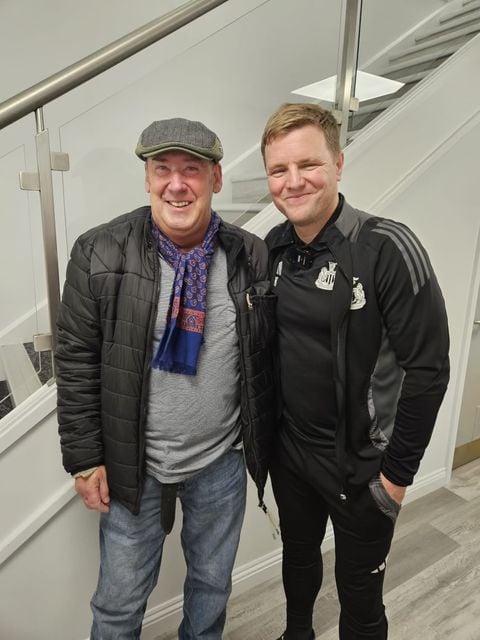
pixel 250 308
pixel 261 503
pixel 146 372
pixel 341 446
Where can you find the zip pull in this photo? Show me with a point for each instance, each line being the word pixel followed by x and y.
pixel 271 517
pixel 278 272
pixel 249 302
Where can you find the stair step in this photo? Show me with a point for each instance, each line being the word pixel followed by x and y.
pixel 20 373
pixel 461 34
pixel 378 105
pixel 463 11
pixel 431 57
pixel 6 404
pixel 249 178
pixel 42 362
pixel 245 217
pixel 230 213
pixel 249 188
pixel 351 135
pixel 451 27
pixel 414 77
pixel 241 206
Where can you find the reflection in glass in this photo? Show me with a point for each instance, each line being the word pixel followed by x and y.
pixel 23 309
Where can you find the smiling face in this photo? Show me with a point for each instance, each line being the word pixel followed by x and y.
pixel 303 175
pixel 181 187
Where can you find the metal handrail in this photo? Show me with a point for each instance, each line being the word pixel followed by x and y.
pixel 76 74
pixel 33 100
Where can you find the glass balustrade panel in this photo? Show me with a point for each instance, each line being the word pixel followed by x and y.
pixel 23 308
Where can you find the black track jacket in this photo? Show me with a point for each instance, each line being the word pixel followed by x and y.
pixel 390 343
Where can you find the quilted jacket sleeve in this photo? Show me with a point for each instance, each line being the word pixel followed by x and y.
pixel 78 356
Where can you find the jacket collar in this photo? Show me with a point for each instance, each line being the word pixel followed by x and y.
pixel 231 239
pixel 280 236
pixel 284 234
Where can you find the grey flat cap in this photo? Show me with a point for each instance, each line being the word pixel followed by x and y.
pixel 179 134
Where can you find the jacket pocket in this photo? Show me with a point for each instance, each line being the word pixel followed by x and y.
pixel 383 500
pixel 261 309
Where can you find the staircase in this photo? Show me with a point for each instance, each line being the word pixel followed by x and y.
pixel 246 187
pixel 410 62
pixel 413 61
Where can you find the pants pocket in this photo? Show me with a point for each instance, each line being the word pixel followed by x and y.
pixel 382 499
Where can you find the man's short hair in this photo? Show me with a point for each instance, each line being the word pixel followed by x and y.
pixel 290 116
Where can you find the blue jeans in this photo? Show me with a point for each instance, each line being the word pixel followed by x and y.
pixel 213 505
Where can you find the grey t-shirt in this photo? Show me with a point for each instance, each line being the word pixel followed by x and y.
pixel 192 420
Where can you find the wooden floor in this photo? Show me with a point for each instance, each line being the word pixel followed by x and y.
pixel 432 587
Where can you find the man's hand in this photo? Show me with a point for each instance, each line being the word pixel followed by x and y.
pixel 94 490
pixel 396 492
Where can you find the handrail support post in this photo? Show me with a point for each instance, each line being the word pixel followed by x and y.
pixel 42 182
pixel 345 102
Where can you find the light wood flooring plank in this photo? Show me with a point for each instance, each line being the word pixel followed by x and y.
pixel 414 553
pixel 432 582
pixel 431 604
pixel 465 481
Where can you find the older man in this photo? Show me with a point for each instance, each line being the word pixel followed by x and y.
pixel 164 376
pixel 363 354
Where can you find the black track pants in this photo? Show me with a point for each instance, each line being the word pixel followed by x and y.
pixel 307 490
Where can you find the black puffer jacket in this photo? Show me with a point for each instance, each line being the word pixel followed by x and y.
pixel 104 344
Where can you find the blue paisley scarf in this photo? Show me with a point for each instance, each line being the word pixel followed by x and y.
pixel 182 338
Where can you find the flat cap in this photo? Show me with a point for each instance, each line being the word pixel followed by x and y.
pixel 179 134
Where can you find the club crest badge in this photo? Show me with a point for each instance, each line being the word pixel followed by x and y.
pixel 358 295
pixel 326 281
pixel 326 277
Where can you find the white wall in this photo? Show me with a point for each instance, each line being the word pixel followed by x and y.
pixel 45 37
pixel 232 81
